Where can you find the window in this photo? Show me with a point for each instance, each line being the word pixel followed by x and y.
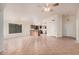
pixel 15 28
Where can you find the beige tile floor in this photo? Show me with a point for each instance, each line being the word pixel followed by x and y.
pixel 40 46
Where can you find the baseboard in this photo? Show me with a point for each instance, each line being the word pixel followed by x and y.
pixel 69 37
pixel 53 36
pixel 1 52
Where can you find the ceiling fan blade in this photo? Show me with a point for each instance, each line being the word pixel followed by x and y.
pixel 56 4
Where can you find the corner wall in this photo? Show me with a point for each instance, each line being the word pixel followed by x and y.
pixel 77 25
pixel 1 31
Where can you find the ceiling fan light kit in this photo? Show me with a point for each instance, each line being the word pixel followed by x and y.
pixel 49 7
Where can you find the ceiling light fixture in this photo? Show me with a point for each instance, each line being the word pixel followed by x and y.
pixel 49 6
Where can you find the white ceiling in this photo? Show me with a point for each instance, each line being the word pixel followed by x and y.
pixel 63 8
pixel 33 10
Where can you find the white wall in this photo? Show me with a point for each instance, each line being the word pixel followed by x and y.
pixel 25 29
pixel 77 25
pixel 26 16
pixel 1 31
pixel 69 26
pixel 10 16
pixel 59 26
pixel 54 25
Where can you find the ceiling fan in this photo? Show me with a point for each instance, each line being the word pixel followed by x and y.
pixel 49 7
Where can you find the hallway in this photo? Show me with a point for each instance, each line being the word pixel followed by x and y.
pixel 41 46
